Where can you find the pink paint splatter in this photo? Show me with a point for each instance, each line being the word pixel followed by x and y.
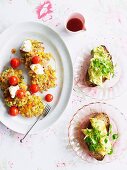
pixel 119 20
pixel 10 1
pixel 11 164
pixel 64 164
pixel 44 11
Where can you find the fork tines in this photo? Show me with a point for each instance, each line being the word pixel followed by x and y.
pixel 46 111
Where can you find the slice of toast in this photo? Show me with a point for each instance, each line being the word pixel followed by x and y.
pixel 89 83
pixel 105 118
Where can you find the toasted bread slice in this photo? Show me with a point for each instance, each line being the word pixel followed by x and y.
pixel 89 83
pixel 105 118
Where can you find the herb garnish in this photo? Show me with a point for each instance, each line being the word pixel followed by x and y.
pixel 110 151
pixel 115 136
pixel 101 66
pixel 106 140
pixel 99 141
pixel 93 139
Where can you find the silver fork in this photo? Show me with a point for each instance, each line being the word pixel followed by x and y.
pixel 40 117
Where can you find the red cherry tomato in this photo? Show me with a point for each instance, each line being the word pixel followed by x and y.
pixel 49 97
pixel 15 62
pixel 36 60
pixel 20 93
pixel 13 111
pixel 34 88
pixel 13 80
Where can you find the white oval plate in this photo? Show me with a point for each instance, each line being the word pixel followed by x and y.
pixel 12 38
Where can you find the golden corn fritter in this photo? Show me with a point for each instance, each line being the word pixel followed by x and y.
pixel 46 80
pixel 29 106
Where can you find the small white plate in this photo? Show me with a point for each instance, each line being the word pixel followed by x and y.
pixel 12 38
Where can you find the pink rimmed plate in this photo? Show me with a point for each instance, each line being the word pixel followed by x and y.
pixel 110 88
pixel 118 121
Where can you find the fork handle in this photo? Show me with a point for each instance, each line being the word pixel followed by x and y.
pixel 21 140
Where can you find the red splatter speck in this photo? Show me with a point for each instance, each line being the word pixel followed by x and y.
pixel 94 91
pixel 61 164
pixel 110 89
pixel 57 24
pixel 119 20
pixel 44 11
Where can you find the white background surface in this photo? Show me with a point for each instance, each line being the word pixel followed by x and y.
pixel 105 21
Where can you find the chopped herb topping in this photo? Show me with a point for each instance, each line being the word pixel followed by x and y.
pixel 115 136
pixel 101 66
pixel 110 151
pixel 106 140
pixel 97 138
pixel 93 138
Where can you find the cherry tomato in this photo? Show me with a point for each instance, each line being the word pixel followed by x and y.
pixel 13 111
pixel 15 62
pixel 20 93
pixel 13 80
pixel 49 97
pixel 34 88
pixel 36 60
